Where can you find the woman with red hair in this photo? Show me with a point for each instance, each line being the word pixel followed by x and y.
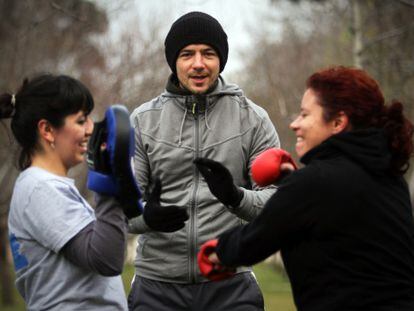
pixel 344 222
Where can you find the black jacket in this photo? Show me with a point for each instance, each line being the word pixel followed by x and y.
pixel 344 225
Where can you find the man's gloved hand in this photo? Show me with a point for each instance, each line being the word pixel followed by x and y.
pixel 219 181
pixel 214 271
pixel 162 218
pixel 270 164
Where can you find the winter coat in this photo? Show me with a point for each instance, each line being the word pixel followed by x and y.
pixel 171 131
pixel 344 226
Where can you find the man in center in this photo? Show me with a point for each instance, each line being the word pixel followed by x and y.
pixel 198 115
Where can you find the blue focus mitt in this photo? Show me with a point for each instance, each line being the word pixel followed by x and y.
pixel 109 156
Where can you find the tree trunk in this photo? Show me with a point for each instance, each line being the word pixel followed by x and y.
pixel 7 178
pixel 358 44
pixel 5 275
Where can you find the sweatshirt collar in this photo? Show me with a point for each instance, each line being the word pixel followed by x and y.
pixel 367 147
pixel 173 86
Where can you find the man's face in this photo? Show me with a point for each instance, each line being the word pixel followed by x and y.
pixel 198 67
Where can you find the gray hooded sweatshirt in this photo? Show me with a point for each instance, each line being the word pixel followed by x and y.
pixel 170 132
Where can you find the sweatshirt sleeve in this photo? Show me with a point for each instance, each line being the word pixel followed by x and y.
pixel 101 245
pixel 141 169
pixel 288 214
pixel 264 138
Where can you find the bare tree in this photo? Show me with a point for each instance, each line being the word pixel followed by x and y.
pixel 40 35
pixel 67 37
pixel 276 69
pixel 136 70
pixel 371 34
pixel 375 35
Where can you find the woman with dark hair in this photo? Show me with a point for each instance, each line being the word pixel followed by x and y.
pixel 67 256
pixel 344 222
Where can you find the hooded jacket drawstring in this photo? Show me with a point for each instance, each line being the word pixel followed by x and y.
pixel 206 116
pixel 182 127
pixel 205 100
pixel 183 120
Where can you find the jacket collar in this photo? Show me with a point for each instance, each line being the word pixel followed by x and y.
pixel 196 103
pixel 367 147
pixel 173 86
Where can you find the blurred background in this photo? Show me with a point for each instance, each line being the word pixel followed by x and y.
pixel 116 49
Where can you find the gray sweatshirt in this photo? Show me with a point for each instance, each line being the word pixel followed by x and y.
pixel 170 132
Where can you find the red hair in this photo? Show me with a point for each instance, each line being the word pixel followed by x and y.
pixel 355 93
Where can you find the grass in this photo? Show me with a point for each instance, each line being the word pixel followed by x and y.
pixel 275 287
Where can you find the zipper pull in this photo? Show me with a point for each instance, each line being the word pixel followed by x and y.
pixel 193 110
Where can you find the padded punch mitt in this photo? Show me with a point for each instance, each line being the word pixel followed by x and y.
pixel 210 270
pixel 109 157
pixel 266 167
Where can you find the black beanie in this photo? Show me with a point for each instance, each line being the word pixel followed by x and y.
pixel 195 28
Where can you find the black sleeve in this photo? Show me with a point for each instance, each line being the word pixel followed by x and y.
pixel 285 217
pixel 101 245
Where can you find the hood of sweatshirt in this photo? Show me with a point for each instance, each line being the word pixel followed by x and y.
pixel 202 101
pixel 367 147
pixel 198 104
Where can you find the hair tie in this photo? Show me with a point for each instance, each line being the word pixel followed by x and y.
pixel 13 100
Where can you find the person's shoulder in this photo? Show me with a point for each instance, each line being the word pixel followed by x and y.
pixel 149 110
pixel 232 90
pixel 307 175
pixel 250 108
pixel 34 176
pixel 332 173
pixel 155 103
pixel 34 182
pixel 255 107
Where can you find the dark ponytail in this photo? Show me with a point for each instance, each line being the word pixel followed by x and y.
pixel 6 106
pixel 45 96
pixel 400 136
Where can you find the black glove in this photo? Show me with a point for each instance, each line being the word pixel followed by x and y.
pixel 219 181
pixel 162 218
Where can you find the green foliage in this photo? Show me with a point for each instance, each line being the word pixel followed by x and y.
pixel 17 299
pixel 275 287
pixel 127 275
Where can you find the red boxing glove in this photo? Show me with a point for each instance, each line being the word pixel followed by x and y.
pixel 210 270
pixel 266 167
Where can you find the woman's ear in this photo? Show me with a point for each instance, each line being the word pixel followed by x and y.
pixel 341 122
pixel 46 131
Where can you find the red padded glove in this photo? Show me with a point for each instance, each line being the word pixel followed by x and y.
pixel 266 167
pixel 210 270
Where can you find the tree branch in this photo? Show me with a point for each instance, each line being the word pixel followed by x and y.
pixel 387 35
pixel 59 8
pixel 408 3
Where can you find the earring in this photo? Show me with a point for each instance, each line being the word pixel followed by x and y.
pixel 52 144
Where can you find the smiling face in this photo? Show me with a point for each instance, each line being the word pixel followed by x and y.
pixel 198 67
pixel 71 139
pixel 310 127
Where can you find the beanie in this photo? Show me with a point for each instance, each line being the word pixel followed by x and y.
pixel 195 28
